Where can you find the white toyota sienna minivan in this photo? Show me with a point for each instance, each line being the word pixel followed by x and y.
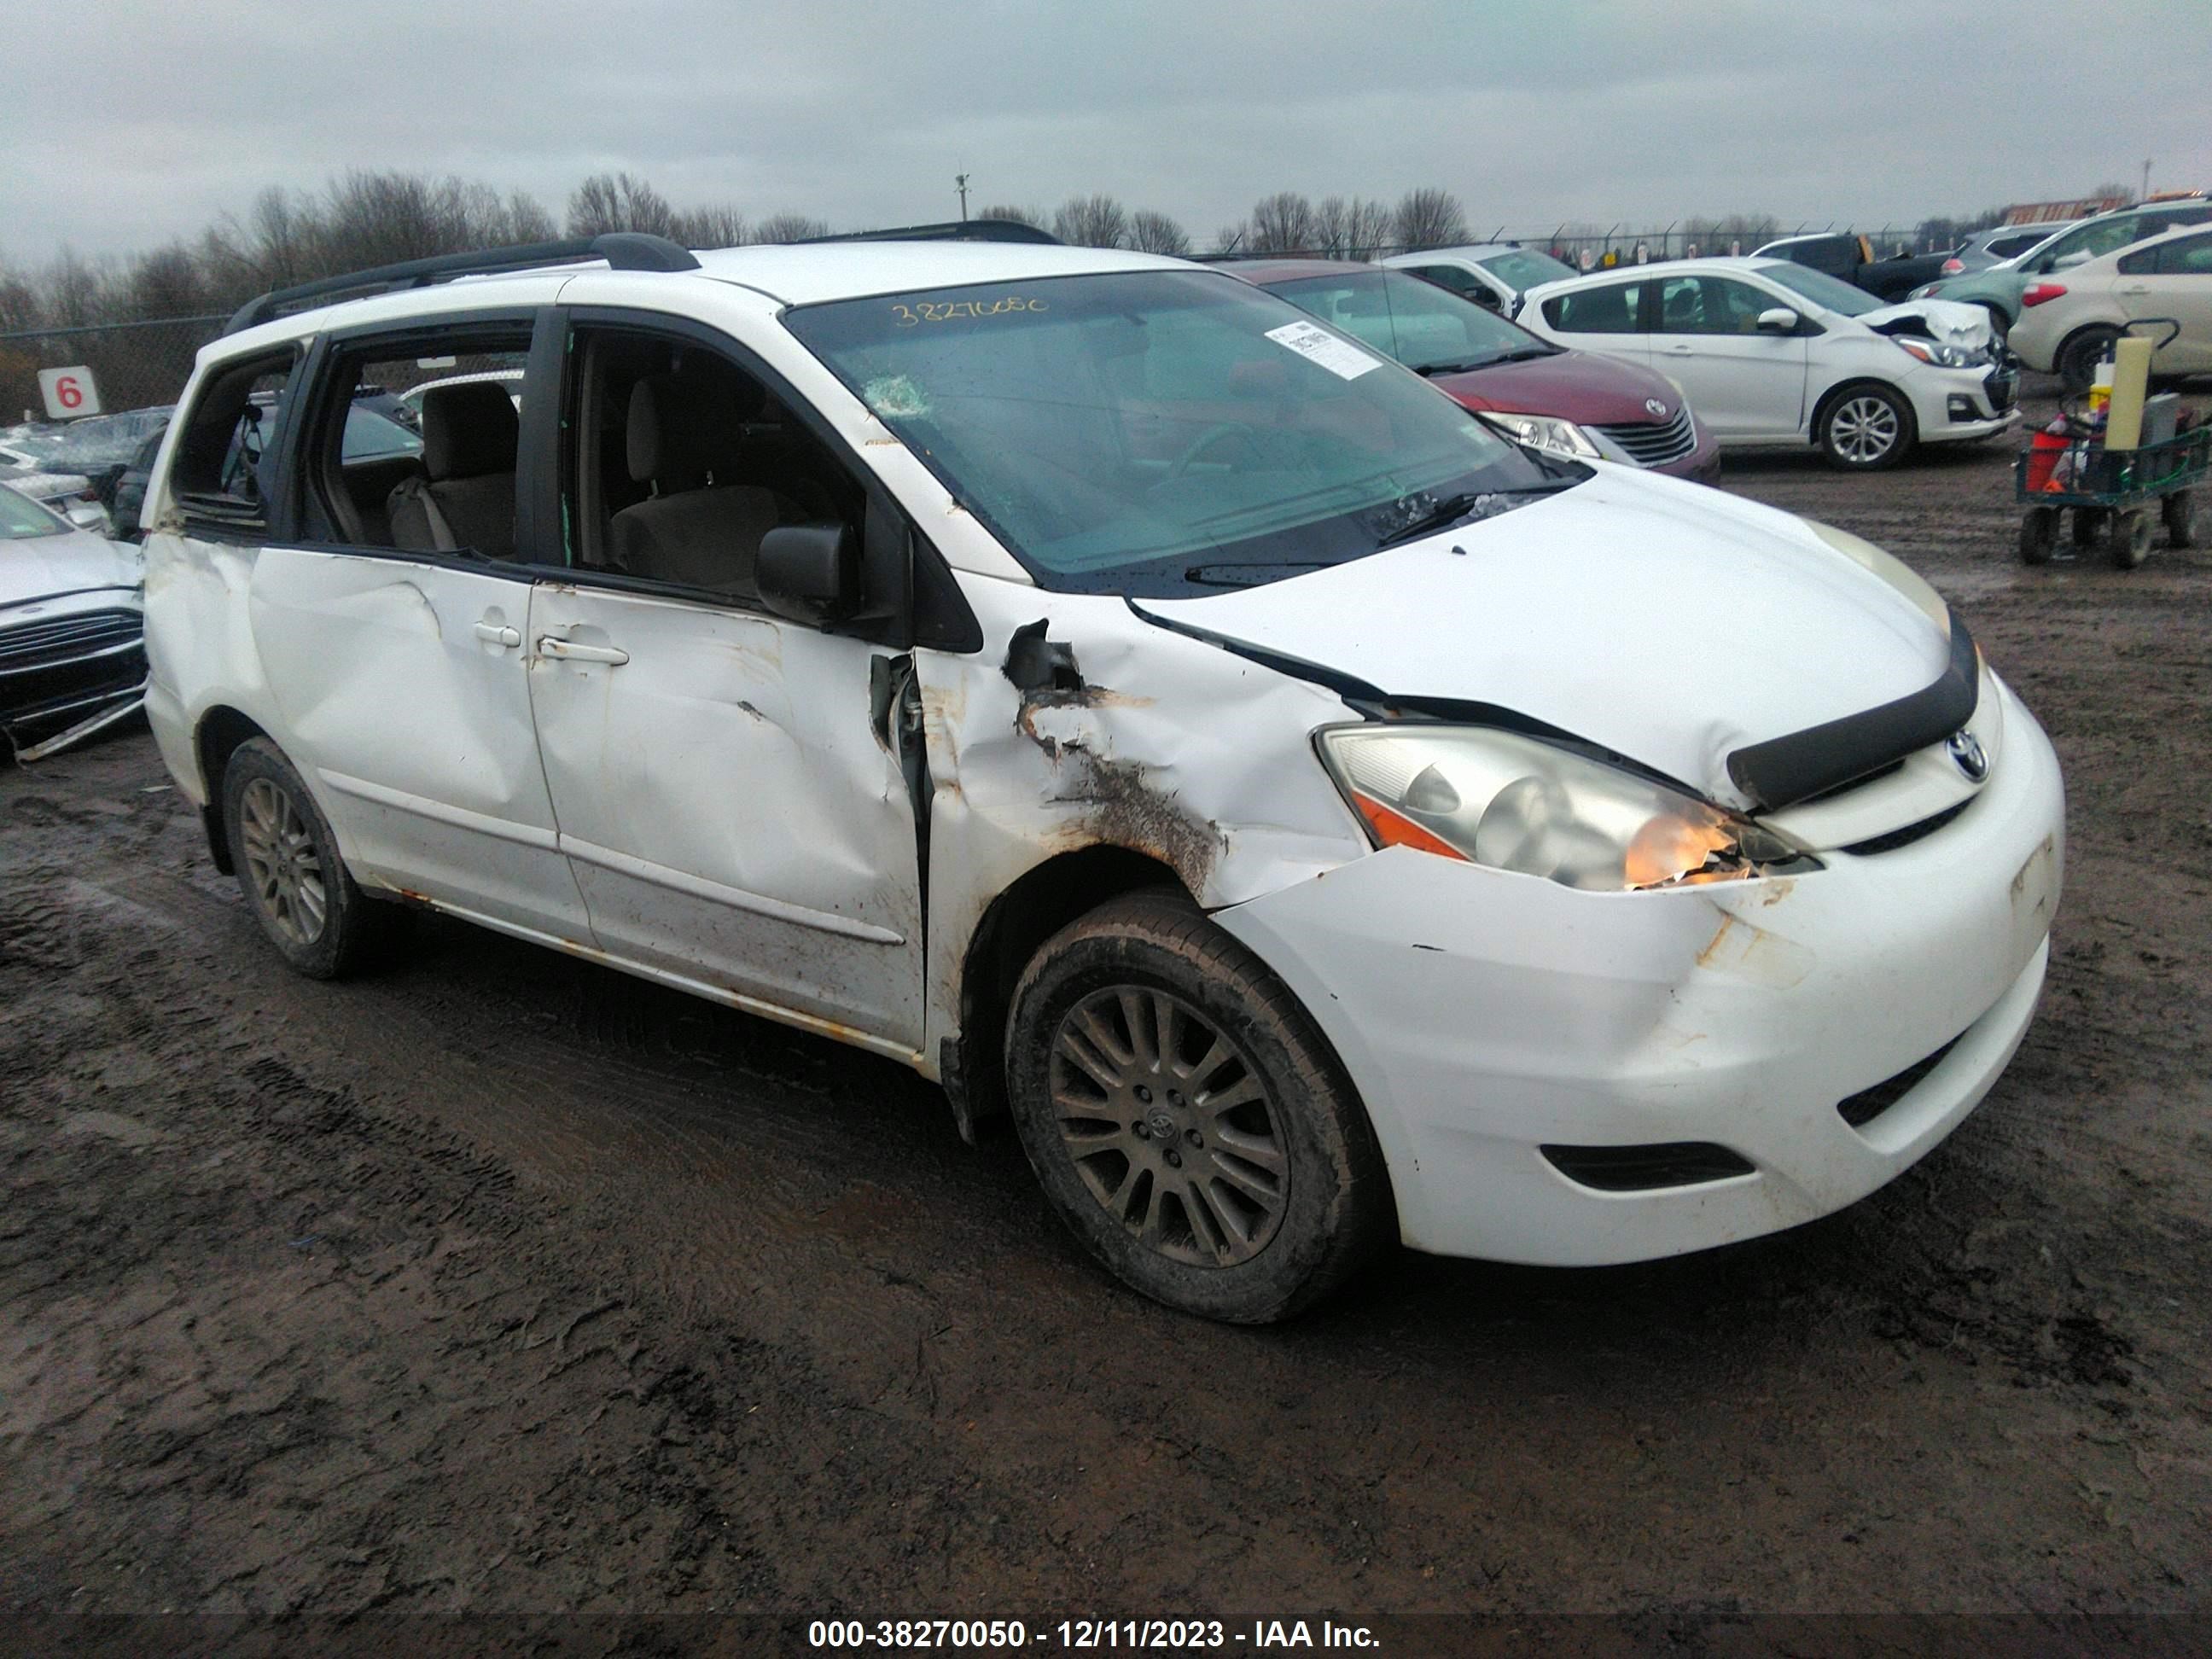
pixel 1093 682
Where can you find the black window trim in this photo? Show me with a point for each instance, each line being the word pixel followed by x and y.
pixel 1642 311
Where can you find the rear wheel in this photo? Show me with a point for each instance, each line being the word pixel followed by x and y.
pixel 1867 427
pixel 287 863
pixel 2038 532
pixel 2179 510
pixel 1185 1118
pixel 2079 357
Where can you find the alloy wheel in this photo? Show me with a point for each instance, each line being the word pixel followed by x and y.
pixel 282 862
pixel 1170 1126
pixel 1863 429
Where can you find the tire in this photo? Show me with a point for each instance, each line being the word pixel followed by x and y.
pixel 2131 538
pixel 2089 523
pixel 2000 324
pixel 2077 359
pixel 1866 427
pixel 2178 511
pixel 287 863
pixel 1247 1212
pixel 2038 532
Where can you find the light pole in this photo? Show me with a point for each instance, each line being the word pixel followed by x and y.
pixel 960 182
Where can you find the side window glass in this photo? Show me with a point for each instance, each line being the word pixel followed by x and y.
pixel 679 462
pixel 1708 304
pixel 419 453
pixel 1451 277
pixel 1614 308
pixel 224 477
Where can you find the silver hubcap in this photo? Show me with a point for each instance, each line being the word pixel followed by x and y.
pixel 281 862
pixel 1863 429
pixel 1170 1126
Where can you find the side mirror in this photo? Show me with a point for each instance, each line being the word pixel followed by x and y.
pixel 810 572
pixel 88 515
pixel 2067 261
pixel 1779 320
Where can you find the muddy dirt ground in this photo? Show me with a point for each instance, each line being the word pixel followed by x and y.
pixel 500 1281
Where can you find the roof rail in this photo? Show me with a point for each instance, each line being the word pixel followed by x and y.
pixel 952 230
pixel 622 250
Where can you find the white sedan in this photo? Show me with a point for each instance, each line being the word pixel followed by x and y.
pixel 1775 354
pixel 2069 320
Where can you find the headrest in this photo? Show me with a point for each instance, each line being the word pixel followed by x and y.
pixel 684 426
pixel 468 430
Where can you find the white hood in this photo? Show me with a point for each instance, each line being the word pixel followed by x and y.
pixel 1668 622
pixel 1951 321
pixel 37 568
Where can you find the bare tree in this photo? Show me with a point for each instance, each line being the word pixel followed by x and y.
pixel 1020 216
pixel 1155 233
pixel 1430 218
pixel 1283 223
pixel 721 226
pixel 1332 220
pixel 1369 227
pixel 789 227
pixel 617 201
pixel 1091 221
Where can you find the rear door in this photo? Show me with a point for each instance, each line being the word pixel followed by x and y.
pixel 2171 280
pixel 1747 385
pixel 400 672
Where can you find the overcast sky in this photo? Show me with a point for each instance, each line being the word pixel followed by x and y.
pixel 158 115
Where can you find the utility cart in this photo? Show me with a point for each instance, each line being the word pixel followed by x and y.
pixel 2068 468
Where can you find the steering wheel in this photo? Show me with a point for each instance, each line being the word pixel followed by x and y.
pixel 1206 440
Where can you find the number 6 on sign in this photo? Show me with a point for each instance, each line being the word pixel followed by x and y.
pixel 69 392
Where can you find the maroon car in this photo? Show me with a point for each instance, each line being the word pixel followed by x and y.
pixel 1572 403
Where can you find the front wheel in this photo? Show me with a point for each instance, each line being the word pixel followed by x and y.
pixel 1866 429
pixel 2039 530
pixel 1186 1119
pixel 287 863
pixel 2131 538
pixel 2179 513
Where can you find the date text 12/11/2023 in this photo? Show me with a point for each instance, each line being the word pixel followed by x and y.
pixel 1083 1635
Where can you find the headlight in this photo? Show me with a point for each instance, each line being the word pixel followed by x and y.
pixel 1516 803
pixel 1545 432
pixel 1942 355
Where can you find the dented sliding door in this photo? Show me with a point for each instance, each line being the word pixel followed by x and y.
pixel 733 800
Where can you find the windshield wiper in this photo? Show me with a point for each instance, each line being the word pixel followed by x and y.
pixel 1198 575
pixel 1471 364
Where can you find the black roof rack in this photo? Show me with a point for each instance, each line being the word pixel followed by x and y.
pixel 623 250
pixel 952 230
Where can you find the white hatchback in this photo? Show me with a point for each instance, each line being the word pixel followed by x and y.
pixel 1776 354
pixel 1097 684
pixel 2069 320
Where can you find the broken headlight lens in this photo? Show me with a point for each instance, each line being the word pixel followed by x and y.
pixel 1545 432
pixel 1516 803
pixel 1942 355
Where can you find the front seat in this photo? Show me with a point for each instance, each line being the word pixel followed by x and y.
pixel 683 437
pixel 466 497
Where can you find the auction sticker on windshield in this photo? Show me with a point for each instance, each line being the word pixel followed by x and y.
pixel 1338 358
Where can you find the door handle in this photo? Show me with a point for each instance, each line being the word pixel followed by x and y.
pixel 2135 288
pixel 550 645
pixel 496 633
pixel 1680 351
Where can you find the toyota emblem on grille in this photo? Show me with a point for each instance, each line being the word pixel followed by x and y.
pixel 1966 748
pixel 1657 409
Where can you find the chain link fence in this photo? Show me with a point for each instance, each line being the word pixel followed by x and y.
pixel 134 364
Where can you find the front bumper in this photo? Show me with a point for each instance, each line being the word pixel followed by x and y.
pixel 1483 1016
pixel 1960 404
pixel 57 672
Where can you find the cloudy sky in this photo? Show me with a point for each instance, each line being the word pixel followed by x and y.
pixel 861 112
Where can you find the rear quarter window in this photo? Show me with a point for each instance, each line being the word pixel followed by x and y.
pixel 1615 308
pixel 224 479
